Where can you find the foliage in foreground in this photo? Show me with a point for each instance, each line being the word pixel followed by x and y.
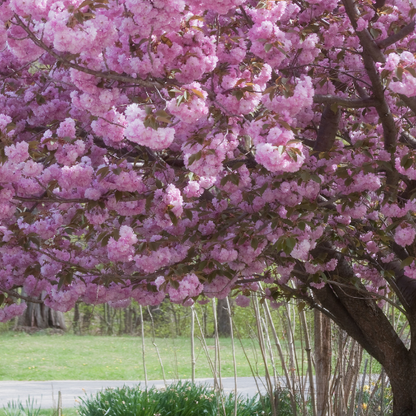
pixel 187 399
pixel 18 409
pixel 181 399
pixel 31 408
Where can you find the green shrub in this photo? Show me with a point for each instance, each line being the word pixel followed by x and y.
pixel 18 409
pixel 181 399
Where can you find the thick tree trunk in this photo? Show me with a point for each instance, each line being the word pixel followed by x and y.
pixel 40 316
pixel 359 315
pixel 224 328
pixel 403 384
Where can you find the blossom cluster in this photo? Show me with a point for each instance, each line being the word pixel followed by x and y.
pixel 186 150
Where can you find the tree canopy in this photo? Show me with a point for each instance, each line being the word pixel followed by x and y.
pixel 190 150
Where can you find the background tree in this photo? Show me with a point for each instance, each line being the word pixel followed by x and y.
pixel 40 316
pixel 224 326
pixel 189 150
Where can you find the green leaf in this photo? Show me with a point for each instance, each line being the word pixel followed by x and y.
pixel 103 172
pixel 375 32
pixel 40 99
pixel 188 214
pixel 66 278
pixel 235 179
pixel 292 154
pixel 399 72
pixel 224 180
pixel 172 217
pixel 149 201
pixel 285 125
pixel 239 94
pixel 263 188
pixel 267 47
pixel 237 165
pixel 407 262
pixel 404 160
pixel 411 71
pixel 10 127
pixel 193 158
pixel 316 178
pixel 408 164
pixel 290 244
pixel 279 244
pixel 118 195
pixel 301 306
pixel 163 116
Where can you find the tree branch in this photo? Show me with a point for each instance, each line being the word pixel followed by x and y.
pixel 407 139
pixel 328 128
pixel 115 77
pixel 367 41
pixel 17 295
pixel 409 101
pixel 371 295
pixel 401 34
pixel 372 53
pixel 364 312
pixel 383 110
pixel 345 102
pixel 330 301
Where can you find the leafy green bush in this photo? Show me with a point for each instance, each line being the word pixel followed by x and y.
pixel 18 409
pixel 181 399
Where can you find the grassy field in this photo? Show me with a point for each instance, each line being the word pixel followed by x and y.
pixel 69 357
pixel 47 412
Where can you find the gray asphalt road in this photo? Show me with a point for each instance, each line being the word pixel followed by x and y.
pixel 46 392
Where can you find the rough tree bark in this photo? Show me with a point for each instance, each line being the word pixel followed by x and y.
pixel 224 328
pixel 38 315
pixel 360 316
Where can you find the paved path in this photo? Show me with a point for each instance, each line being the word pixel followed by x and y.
pixel 70 390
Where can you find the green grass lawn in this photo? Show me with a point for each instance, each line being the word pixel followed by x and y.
pixel 70 357
pixel 49 412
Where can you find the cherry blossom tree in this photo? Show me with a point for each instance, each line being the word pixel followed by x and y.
pixel 190 150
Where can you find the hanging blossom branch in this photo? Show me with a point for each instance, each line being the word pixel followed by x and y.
pixel 115 77
pixel 19 296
